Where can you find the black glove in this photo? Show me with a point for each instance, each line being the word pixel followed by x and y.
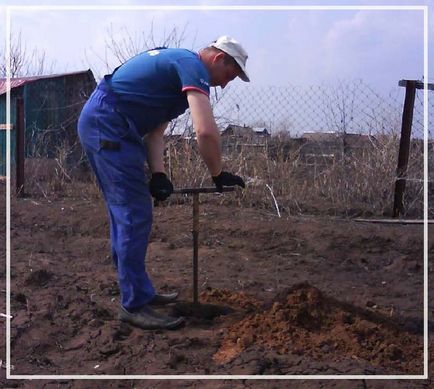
pixel 227 179
pixel 160 186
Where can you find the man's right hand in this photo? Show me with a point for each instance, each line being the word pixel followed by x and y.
pixel 160 186
pixel 227 179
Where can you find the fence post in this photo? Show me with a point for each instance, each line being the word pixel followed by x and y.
pixel 20 149
pixel 404 146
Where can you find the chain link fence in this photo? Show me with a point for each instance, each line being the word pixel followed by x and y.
pixel 351 107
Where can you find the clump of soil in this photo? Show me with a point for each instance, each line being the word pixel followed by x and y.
pixel 302 320
pixel 39 278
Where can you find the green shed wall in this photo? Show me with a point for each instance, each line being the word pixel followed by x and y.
pixel 51 110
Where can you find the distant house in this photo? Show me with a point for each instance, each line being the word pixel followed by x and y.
pixel 327 147
pixel 51 106
pixel 284 148
pixel 179 141
pixel 235 138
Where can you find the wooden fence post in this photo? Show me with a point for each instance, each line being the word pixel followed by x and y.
pixel 404 144
pixel 404 147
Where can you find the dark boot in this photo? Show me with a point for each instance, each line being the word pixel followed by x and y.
pixel 147 319
pixel 164 298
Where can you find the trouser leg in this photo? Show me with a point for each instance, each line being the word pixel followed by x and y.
pixel 113 229
pixel 130 211
pixel 133 225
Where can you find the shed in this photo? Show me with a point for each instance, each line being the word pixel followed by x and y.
pixel 235 137
pixel 51 106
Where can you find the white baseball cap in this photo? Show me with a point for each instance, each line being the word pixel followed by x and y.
pixel 233 48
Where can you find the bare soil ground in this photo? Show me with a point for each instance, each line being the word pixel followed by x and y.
pixel 303 295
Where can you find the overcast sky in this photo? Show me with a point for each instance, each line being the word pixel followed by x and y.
pixel 285 47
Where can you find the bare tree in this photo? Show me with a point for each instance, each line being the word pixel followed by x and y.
pixel 24 62
pixel 123 44
pixel 132 44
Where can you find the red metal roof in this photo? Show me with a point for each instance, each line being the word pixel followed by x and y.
pixel 17 82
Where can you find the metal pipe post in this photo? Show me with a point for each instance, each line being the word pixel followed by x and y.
pixel 20 147
pixel 195 247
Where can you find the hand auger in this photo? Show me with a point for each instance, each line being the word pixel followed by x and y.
pixel 195 231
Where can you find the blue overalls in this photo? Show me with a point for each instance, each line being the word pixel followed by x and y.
pixel 147 90
pixel 117 155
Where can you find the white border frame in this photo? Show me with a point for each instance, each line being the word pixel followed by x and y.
pixel 9 9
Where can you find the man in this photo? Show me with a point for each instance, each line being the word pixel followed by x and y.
pixel 138 100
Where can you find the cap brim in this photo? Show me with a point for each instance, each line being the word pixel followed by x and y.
pixel 244 76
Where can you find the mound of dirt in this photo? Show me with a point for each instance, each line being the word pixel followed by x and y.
pixel 303 321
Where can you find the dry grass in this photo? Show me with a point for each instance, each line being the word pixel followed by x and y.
pixel 361 183
pixel 64 175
